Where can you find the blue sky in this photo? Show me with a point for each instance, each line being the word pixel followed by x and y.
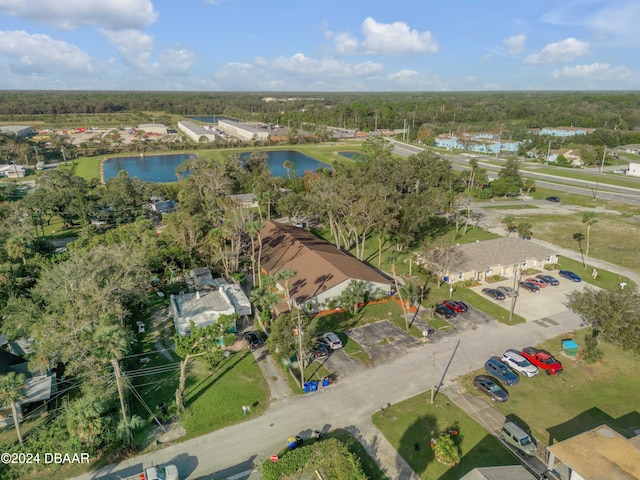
pixel 285 45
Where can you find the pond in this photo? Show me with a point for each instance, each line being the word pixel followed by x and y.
pixel 162 168
pixel 148 168
pixel 301 161
pixel 350 155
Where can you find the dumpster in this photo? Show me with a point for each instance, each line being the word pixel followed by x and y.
pixel 314 386
pixel 569 347
pixel 307 387
pixel 325 382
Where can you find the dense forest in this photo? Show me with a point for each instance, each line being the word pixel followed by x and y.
pixel 519 111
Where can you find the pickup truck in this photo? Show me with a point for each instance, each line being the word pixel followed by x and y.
pixel 542 359
pixel 160 472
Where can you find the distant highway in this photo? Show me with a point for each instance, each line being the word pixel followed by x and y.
pixel 570 185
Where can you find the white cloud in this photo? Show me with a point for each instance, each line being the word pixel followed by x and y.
pixel 42 55
pixel 70 14
pixel 403 75
pixel 515 44
pixel 596 72
pixel 134 46
pixel 173 62
pixel 560 52
pixel 395 38
pixel 301 65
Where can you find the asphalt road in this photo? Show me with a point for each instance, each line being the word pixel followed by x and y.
pixel 348 404
pixel 578 186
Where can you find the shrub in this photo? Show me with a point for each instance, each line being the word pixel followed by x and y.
pixel 552 266
pixel 592 352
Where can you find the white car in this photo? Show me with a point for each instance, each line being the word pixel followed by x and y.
pixel 332 340
pixel 517 362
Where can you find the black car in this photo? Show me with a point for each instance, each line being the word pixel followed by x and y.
pixel 490 386
pixel 445 311
pixel 553 198
pixel 549 280
pixel 253 340
pixel 493 293
pixel 532 287
pixel 321 350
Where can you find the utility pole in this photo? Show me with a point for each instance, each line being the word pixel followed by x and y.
pixel 515 292
pixel 604 154
pixel 548 152
pixel 433 377
pixel 300 359
pixel 118 373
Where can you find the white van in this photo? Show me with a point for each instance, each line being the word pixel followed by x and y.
pixel 518 438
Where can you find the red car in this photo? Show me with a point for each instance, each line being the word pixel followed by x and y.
pixel 543 360
pixel 538 282
pixel 455 305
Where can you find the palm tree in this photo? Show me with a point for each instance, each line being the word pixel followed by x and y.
pixel 524 230
pixel 509 223
pixel 253 229
pixel 12 391
pixel 287 164
pixel 589 219
pixel 86 420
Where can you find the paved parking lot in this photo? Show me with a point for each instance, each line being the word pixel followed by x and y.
pixel 535 306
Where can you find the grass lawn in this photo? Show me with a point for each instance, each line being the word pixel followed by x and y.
pixel 605 279
pixel 612 238
pixel 214 400
pixel 511 207
pixel 417 421
pixel 584 396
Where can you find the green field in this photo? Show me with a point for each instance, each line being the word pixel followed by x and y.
pixel 584 396
pixel 417 421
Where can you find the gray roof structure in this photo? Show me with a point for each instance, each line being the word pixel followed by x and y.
pixel 508 472
pixel 499 251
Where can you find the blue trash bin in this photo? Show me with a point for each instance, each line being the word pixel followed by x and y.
pixel 307 387
pixel 325 382
pixel 314 386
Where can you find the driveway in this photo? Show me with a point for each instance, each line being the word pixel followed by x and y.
pixel 383 341
pixel 548 302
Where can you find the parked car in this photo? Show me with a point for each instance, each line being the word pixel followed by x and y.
pixel 543 360
pixel 445 311
pixel 549 280
pixel 499 370
pixel 553 198
pixel 536 281
pixel 489 386
pixel 456 305
pixel 493 293
pixel 253 340
pixel 570 275
pixel 532 287
pixel 518 363
pixel 507 291
pixel 332 340
pixel 515 436
pixel 321 350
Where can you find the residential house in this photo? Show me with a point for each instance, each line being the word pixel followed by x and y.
pixel 483 142
pixel 633 169
pixel 245 200
pixel 507 472
pixel 597 454
pixel 162 207
pixel 572 156
pixel 323 271
pixel 208 299
pixel 501 256
pixel 19 130
pixel 633 148
pixel 13 171
pixel 565 131
pixel 38 387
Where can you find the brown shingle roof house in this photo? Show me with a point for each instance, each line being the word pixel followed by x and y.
pixel 323 271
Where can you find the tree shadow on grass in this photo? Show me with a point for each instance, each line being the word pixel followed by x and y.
pixel 590 419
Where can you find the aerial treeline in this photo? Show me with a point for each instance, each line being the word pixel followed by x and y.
pixel 513 112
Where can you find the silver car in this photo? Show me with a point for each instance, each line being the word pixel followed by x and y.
pixel 508 291
pixel 517 362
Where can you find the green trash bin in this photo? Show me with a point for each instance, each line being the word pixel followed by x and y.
pixel 569 347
